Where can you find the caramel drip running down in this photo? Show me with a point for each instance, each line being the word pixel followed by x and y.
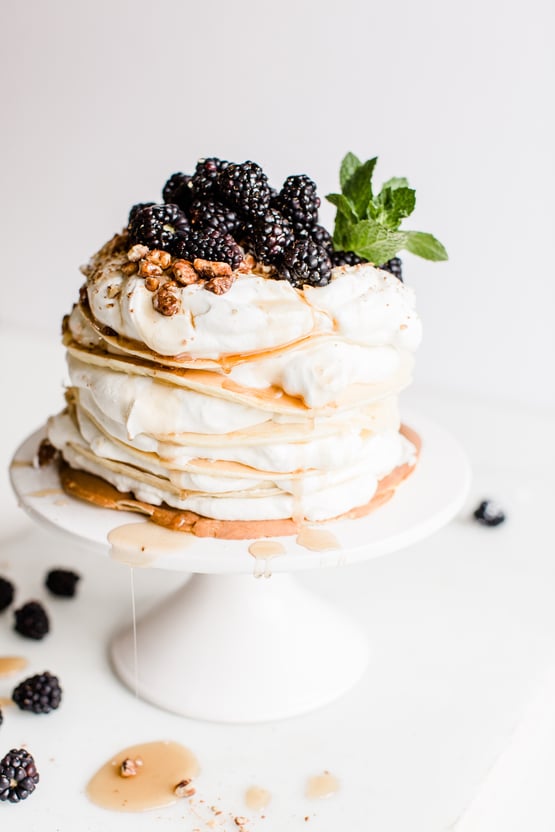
pixel 12 664
pixel 317 540
pixel 257 798
pixel 164 766
pixel 45 492
pixel 263 551
pixel 140 544
pixel 322 786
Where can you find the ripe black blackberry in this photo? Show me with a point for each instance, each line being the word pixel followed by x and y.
pixel 395 266
pixel 319 234
pixel 40 694
pixel 205 178
pixel 18 775
pixel 245 188
pixel 177 191
pixel 271 236
pixel 212 214
pixel 32 621
pixel 346 258
pixel 7 593
pixel 136 208
pixel 306 263
pixel 207 244
pixel 155 226
pixel 62 582
pixel 299 202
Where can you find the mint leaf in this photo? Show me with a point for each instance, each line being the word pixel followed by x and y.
pixel 371 240
pixel 344 206
pixel 396 182
pixel 424 245
pixel 358 188
pixel 348 166
pixel 341 232
pixel 392 206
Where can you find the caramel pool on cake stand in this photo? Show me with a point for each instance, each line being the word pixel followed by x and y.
pixel 227 647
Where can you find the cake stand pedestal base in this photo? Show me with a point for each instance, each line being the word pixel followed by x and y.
pixel 231 649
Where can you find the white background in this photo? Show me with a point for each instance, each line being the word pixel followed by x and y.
pixel 103 100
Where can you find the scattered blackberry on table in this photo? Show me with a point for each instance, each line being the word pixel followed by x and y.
pixel 306 263
pixel 62 582
pixel 205 178
pixel 245 188
pixel 7 593
pixel 489 513
pixel 155 226
pixel 177 191
pixel 271 236
pixel 40 694
pixel 18 775
pixel 207 244
pixel 212 214
pixel 32 621
pixel 136 208
pixel 395 266
pixel 299 202
pixel 346 258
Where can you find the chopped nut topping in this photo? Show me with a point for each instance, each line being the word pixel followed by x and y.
pixel 136 253
pixel 46 453
pixel 159 258
pixel 152 283
pixel 129 268
pixel 247 264
pixel 184 272
pixel 113 290
pixel 129 767
pixel 220 285
pixel 240 821
pixel 166 300
pixel 147 269
pixel 182 788
pixel 209 268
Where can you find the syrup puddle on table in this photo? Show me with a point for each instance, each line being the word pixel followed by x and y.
pixel 322 786
pixel 140 544
pixel 5 702
pixel 257 798
pixel 12 664
pixel 163 765
pixel 317 540
pixel 263 551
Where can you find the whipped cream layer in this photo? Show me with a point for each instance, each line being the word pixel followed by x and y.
pixel 266 402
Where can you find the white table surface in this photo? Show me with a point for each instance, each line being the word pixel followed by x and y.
pixel 453 726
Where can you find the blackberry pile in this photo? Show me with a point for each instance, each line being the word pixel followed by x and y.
pixel 224 211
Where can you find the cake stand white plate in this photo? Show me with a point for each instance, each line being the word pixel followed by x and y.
pixel 229 648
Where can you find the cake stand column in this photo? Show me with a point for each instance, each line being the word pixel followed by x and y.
pixel 229 648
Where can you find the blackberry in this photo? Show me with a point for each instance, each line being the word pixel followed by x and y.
pixel 489 513
pixel 346 258
pixel 7 593
pixel 156 225
pixel 32 621
pixel 306 263
pixel 208 244
pixel 206 175
pixel 271 236
pixel 177 191
pixel 136 208
pixel 62 582
pixel 18 775
pixel 40 694
pixel 245 188
pixel 299 201
pixel 319 234
pixel 394 266
pixel 212 214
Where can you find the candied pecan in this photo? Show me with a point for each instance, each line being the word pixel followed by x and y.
pixel 210 268
pixel 147 269
pixel 184 272
pixel 137 253
pixel 152 283
pixel 159 258
pixel 129 268
pixel 220 285
pixel 247 265
pixel 46 453
pixel 166 300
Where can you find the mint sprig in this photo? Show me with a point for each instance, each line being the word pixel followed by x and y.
pixel 369 224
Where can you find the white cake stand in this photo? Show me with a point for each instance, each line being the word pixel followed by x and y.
pixel 229 648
